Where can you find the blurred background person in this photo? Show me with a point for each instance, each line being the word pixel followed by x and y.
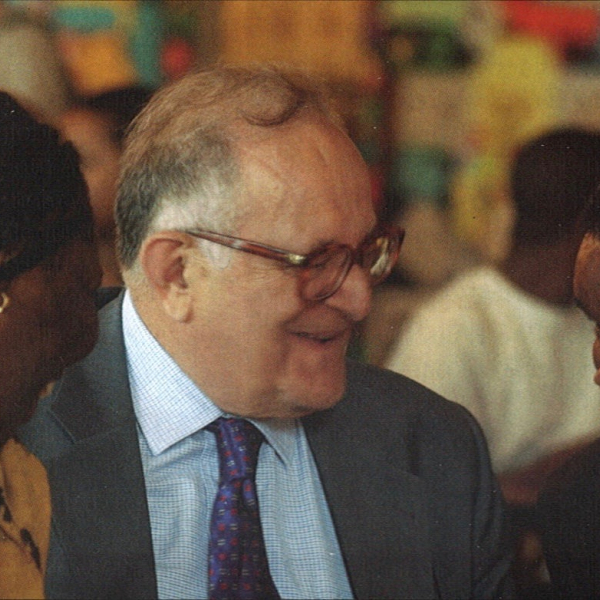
pixel 48 275
pixel 96 127
pixel 31 67
pixel 507 342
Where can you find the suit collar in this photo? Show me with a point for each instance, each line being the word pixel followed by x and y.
pixel 108 512
pixel 93 396
pixel 378 507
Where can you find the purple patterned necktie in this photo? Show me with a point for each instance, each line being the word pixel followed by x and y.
pixel 238 568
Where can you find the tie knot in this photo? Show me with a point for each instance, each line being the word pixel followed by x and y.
pixel 238 442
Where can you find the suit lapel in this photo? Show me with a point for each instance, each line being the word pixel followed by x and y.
pixel 100 509
pixel 379 509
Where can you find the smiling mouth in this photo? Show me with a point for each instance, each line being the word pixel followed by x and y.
pixel 320 338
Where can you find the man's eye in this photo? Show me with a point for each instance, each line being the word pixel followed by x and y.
pixel 320 261
pixel 318 264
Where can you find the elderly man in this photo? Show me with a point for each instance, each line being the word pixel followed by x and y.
pixel 249 245
pixel 568 509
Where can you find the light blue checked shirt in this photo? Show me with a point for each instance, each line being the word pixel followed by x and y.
pixel 180 464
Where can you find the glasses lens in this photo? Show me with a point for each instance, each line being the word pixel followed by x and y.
pixel 379 256
pixel 325 271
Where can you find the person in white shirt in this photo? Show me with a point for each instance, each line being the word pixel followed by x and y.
pixel 507 342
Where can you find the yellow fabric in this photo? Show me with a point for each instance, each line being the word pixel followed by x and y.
pixel 97 61
pixel 26 493
pixel 328 38
pixel 513 98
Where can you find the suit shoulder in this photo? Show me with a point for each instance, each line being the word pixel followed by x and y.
pixel 407 413
pixel 388 390
pixel 92 395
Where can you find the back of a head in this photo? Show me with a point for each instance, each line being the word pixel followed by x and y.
pixel 43 196
pixel 183 145
pixel 552 179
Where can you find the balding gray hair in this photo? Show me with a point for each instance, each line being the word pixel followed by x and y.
pixel 180 167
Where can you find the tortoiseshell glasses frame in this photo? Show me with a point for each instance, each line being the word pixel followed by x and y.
pixel 323 271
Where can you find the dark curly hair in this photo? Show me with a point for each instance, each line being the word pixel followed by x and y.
pixel 43 196
pixel 552 179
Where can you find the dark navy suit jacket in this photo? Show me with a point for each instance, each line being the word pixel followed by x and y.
pixel 406 475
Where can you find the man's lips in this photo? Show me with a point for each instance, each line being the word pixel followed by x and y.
pixel 322 337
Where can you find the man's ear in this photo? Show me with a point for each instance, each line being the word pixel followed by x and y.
pixel 165 260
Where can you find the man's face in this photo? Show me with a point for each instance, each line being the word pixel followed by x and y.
pixel 264 351
pixel 586 286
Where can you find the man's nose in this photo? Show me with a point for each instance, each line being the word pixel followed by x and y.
pixel 354 296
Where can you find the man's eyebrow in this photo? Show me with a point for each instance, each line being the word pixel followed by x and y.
pixel 323 243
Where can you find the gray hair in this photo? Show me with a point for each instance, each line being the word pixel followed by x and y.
pixel 180 167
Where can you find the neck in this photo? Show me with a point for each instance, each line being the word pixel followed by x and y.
pixel 544 271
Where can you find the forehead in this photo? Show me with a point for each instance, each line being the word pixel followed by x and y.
pixel 306 180
pixel 586 282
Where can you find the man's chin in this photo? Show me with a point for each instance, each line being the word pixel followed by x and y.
pixel 318 400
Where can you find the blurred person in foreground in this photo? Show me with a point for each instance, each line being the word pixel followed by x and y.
pixel 507 341
pixel 217 443
pixel 48 275
pixel 569 506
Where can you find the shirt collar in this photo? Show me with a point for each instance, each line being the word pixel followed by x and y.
pixel 168 405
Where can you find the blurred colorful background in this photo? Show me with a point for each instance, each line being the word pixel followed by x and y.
pixel 437 94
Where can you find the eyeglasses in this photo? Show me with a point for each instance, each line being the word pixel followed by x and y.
pixel 323 271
